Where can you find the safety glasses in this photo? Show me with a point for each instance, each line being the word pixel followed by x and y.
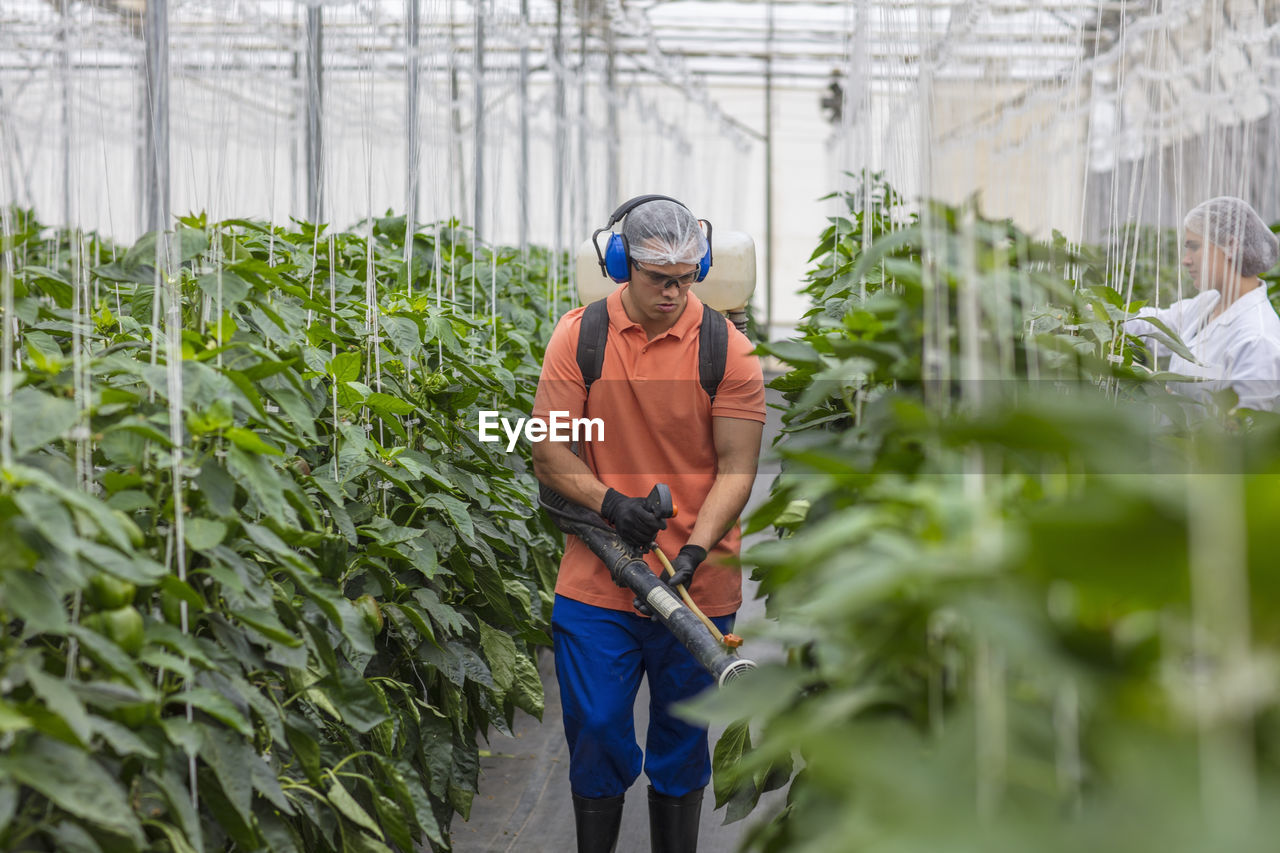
pixel 662 281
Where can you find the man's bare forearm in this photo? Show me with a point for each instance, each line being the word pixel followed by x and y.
pixel 738 453
pixel 724 503
pixel 559 468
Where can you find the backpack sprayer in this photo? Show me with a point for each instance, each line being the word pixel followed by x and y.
pixel 713 650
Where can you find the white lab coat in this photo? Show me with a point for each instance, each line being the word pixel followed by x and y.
pixel 1240 348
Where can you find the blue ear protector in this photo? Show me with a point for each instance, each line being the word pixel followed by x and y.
pixel 615 261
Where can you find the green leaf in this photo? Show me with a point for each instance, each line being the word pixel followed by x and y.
pixel 792 352
pixel 415 619
pixel 175 792
pixel 458 513
pixel 464 778
pixel 53 283
pixel 131 500
pixel 8 804
pixel 259 479
pixel 437 749
pixel 248 392
pixel 247 439
pixel 500 651
pixel 130 566
pixel 443 615
pixel 182 590
pixel 142 428
pixel 122 740
pixel 1170 339
pixel 729 750
pixel 795 513
pixel 215 705
pixel 297 409
pixel 184 243
pixel 739 795
pixel 231 758
pixel 268 624
pixel 404 333
pixel 170 636
pixel 306 750
pixel 267 539
pixel 31 595
pixel 60 700
pixel 266 783
pixel 225 816
pixel 473 666
pixel 359 704
pixel 386 404
pixel 39 418
pixel 44 351
pixel 11 719
pixel 218 416
pixel 280 836
pixel 269 366
pixel 176 839
pixel 354 627
pixel 111 656
pixel 115 525
pixel 408 787
pixel 224 285
pixel 391 817
pixel 73 781
pixel 204 533
pixel 143 304
pixel 527 691
pixel 440 330
pixel 218 488
pixel 73 838
pixel 347 806
pixel 345 367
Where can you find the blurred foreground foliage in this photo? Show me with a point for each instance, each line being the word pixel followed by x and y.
pixel 261 586
pixel 1026 591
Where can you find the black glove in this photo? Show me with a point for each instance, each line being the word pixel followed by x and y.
pixel 685 564
pixel 635 522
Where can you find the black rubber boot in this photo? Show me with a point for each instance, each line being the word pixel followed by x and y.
pixel 673 822
pixel 598 821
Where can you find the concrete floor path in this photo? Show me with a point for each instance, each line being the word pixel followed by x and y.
pixel 523 804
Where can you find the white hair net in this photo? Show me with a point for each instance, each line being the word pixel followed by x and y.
pixel 1233 226
pixel 664 232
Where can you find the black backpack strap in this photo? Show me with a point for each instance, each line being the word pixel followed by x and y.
pixel 592 335
pixel 713 349
pixel 713 346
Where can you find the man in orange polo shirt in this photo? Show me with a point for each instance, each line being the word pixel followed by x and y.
pixel 660 426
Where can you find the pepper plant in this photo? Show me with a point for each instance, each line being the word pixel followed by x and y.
pixel 1025 592
pixel 262 587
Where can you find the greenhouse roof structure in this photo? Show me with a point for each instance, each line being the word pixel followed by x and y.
pixel 804 39
pixel 547 96
pixel 864 47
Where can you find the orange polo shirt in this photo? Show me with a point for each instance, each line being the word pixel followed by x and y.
pixel 657 429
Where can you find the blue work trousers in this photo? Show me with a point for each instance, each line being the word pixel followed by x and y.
pixel 600 656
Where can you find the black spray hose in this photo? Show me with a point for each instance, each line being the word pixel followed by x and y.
pixel 630 571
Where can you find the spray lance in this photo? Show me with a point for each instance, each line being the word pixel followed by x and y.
pixel 716 652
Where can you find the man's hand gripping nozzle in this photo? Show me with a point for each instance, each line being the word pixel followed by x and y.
pixel 713 650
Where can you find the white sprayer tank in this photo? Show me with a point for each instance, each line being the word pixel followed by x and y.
pixel 727 287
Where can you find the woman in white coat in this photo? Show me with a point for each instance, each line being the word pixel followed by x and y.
pixel 1229 326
